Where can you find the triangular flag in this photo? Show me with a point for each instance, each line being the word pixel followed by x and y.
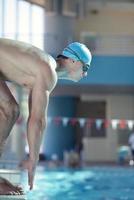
pixel 106 123
pixel 65 121
pixel 122 124
pixel 82 122
pixel 57 120
pixel 89 122
pixel 130 124
pixel 115 123
pixel 73 121
pixel 98 123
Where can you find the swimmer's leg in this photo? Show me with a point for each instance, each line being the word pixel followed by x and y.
pixel 9 112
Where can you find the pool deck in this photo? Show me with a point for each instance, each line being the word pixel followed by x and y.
pixel 87 164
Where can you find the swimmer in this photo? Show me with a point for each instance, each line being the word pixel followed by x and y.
pixel 30 67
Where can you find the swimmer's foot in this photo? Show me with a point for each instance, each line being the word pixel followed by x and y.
pixel 7 188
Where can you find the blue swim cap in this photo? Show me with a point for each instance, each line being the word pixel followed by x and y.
pixel 78 52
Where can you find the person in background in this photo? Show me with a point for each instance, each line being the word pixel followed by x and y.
pixel 71 159
pixel 131 144
pixel 123 154
pixel 30 67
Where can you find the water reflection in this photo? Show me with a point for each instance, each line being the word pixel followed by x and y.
pixel 96 183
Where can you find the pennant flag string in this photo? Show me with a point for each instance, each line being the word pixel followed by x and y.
pixel 89 122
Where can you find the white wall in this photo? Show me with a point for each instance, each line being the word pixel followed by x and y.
pixel 112 18
pixel 105 149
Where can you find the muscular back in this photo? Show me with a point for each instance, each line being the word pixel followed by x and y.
pixel 22 63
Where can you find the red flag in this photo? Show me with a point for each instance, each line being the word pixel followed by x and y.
pixel 106 123
pixel 89 122
pixel 73 121
pixel 57 120
pixel 122 124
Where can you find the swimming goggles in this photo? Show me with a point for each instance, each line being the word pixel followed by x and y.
pixel 85 67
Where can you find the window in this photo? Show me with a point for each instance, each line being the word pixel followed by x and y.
pixel 1 17
pixel 9 18
pixel 37 26
pixel 22 21
pixel 94 112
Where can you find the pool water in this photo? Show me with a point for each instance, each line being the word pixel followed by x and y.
pixel 92 183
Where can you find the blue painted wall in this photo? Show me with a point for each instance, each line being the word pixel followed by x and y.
pixel 60 138
pixel 109 70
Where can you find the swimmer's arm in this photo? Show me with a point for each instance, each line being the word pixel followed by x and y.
pixel 38 103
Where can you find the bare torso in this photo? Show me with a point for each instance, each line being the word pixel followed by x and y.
pixel 21 63
pixel 30 67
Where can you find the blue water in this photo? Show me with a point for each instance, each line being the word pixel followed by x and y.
pixel 92 183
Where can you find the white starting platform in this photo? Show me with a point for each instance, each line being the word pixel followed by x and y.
pixel 14 176
pixel 13 197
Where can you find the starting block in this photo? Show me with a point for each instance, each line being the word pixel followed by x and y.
pixel 14 176
pixel 13 197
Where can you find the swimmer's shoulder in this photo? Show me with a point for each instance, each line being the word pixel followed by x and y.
pixel 38 54
pixel 52 71
pixel 30 49
pixel 15 45
pixel 19 46
pixel 50 60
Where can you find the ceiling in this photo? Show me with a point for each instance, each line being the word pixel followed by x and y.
pixel 38 2
pixel 43 2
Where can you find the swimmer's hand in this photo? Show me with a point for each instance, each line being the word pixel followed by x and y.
pixel 30 165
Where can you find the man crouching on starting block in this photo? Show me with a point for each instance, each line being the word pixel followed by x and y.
pixel 32 68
